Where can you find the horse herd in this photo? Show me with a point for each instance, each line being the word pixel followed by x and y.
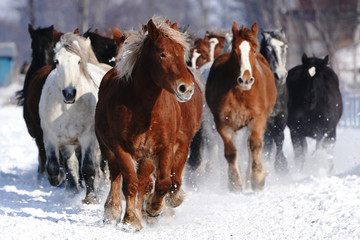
pixel 135 104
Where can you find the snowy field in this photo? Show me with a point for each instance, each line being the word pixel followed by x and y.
pixel 307 205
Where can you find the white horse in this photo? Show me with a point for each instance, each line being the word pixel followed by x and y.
pixel 67 109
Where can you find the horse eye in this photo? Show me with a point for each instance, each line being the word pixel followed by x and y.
pixel 162 55
pixel 79 62
pixel 57 62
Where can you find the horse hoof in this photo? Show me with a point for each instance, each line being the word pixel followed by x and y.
pixel 57 180
pixel 90 199
pixel 235 186
pixel 154 209
pixel 175 199
pixel 131 224
pixel 112 213
pixel 150 215
pixel 258 186
pixel 281 168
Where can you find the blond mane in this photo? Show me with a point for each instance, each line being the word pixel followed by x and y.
pixel 132 47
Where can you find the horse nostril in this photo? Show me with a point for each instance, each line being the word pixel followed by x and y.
pixel 182 88
pixel 240 80
pixel 276 76
pixel 251 80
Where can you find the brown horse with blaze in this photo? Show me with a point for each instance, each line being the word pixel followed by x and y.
pixel 241 92
pixel 148 111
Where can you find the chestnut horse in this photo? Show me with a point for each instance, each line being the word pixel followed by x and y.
pixel 148 111
pixel 241 92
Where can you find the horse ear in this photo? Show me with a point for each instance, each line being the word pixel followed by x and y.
pixel 118 36
pixel 168 22
pixel 175 26
pixel 254 28
pixel 234 28
pixel 152 30
pixel 76 31
pixel 304 58
pixel 326 60
pixel 31 29
pixel 56 36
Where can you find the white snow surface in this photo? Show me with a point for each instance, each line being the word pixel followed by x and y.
pixel 306 205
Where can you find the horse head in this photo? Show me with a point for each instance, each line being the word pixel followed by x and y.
pixel 71 60
pixel 41 43
pixel 104 48
pixel 165 50
pixel 273 47
pixel 200 53
pixel 216 44
pixel 311 69
pixel 244 48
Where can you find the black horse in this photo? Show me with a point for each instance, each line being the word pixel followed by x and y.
pixel 42 54
pixel 105 48
pixel 315 106
pixel 42 43
pixel 273 47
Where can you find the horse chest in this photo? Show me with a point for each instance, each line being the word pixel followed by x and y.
pixel 236 115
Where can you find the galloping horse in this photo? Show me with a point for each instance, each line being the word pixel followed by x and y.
pixel 149 109
pixel 34 81
pixel 273 48
pixel 241 92
pixel 42 43
pixel 66 109
pixel 315 106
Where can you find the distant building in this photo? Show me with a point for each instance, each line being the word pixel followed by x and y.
pixel 8 53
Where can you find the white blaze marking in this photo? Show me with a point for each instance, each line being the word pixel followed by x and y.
pixel 213 42
pixel 312 71
pixel 277 44
pixel 195 56
pixel 245 58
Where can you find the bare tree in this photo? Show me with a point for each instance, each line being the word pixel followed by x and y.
pixel 83 7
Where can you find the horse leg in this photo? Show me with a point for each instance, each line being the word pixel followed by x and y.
pixel 176 194
pixel 155 202
pixel 130 188
pixel 112 207
pixel 235 180
pixel 42 154
pixel 300 148
pixel 72 167
pixel 255 144
pixel 145 169
pixel 55 172
pixel 268 140
pixel 328 144
pixel 281 165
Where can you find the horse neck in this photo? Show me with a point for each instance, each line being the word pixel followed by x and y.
pixel 144 87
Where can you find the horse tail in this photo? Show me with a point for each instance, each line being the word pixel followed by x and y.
pixel 19 96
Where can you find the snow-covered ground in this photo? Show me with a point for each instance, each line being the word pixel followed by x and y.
pixel 307 205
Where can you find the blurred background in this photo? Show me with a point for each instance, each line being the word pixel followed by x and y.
pixel 314 27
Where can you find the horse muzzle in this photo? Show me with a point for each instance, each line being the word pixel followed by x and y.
pixel 280 77
pixel 69 95
pixel 184 92
pixel 245 85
